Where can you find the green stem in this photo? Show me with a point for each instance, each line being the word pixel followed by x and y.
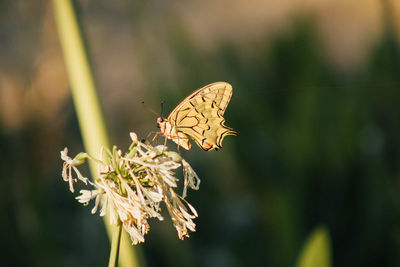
pixel 86 103
pixel 113 260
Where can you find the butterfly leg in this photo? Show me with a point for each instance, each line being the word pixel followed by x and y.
pixel 151 133
pixel 178 143
pixel 156 135
pixel 179 146
pixel 165 143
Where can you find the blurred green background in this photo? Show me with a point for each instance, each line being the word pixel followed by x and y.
pixel 316 102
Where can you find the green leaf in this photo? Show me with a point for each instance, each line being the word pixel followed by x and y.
pixel 316 251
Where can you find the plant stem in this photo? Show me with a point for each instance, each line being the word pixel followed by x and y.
pixel 86 103
pixel 113 260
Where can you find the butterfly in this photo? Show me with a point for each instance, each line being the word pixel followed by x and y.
pixel 200 116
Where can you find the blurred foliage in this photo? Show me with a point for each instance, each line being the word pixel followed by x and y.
pixel 315 146
pixel 316 250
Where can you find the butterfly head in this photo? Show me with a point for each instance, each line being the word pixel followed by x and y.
pixel 161 123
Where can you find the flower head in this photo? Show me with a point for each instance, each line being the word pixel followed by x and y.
pixel 134 185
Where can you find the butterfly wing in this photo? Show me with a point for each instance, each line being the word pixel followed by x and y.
pixel 200 116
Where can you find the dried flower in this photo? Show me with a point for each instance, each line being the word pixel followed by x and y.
pixel 135 184
pixel 70 164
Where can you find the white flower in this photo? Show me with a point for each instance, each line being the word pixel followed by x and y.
pixel 70 164
pixel 134 186
pixel 191 178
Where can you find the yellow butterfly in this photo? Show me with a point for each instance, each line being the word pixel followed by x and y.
pixel 200 116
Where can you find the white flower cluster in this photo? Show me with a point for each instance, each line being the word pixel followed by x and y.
pixel 134 185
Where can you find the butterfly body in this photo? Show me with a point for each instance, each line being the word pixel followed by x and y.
pixel 200 116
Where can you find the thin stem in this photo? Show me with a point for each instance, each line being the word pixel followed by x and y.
pixel 113 260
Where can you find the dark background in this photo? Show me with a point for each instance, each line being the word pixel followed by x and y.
pixel 316 102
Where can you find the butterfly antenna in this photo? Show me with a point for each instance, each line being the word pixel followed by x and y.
pixel 149 109
pixel 162 107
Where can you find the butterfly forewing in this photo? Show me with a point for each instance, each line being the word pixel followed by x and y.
pixel 200 116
